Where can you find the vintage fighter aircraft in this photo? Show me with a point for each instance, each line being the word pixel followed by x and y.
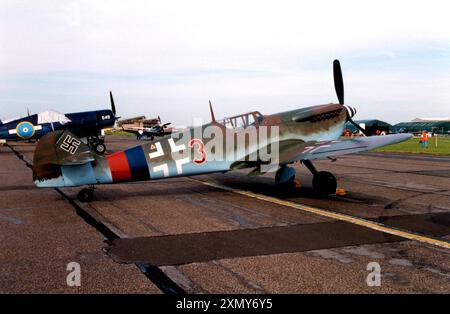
pixel 86 125
pixel 147 128
pixel 306 134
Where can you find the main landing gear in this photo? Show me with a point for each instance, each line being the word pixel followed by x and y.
pixel 285 177
pixel 97 143
pixel 86 195
pixel 324 182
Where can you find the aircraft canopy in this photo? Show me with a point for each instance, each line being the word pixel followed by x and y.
pixel 52 117
pixel 242 120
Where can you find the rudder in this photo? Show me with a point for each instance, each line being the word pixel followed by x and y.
pixel 61 159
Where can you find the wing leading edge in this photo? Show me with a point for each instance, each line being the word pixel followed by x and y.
pixel 320 150
pixel 296 150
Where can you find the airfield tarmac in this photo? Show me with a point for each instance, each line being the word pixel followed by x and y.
pixel 225 233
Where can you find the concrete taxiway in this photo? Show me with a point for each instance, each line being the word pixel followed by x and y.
pixel 230 232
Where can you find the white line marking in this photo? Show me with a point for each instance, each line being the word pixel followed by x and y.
pixel 180 162
pixel 164 168
pixel 174 147
pixel 159 151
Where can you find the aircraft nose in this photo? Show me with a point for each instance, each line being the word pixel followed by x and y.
pixel 351 111
pixel 317 113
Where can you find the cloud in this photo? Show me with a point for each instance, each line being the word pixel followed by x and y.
pixel 154 35
pixel 161 56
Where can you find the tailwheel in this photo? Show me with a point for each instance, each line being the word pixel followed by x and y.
pixel 86 195
pixel 324 183
pixel 100 148
pixel 97 144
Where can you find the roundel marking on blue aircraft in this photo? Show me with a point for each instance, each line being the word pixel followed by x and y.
pixel 25 129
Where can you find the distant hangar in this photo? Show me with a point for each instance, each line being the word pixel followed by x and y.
pixel 371 126
pixel 436 125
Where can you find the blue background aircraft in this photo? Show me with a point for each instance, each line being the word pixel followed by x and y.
pixel 88 125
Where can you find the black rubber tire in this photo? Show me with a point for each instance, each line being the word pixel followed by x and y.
pixel 86 195
pixel 285 185
pixel 100 148
pixel 324 183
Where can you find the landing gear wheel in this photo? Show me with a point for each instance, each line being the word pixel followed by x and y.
pixel 100 148
pixel 86 195
pixel 324 183
pixel 288 185
pixel 285 177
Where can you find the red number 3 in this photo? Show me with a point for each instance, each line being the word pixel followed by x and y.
pixel 201 150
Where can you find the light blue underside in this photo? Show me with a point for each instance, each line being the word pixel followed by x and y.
pixel 78 175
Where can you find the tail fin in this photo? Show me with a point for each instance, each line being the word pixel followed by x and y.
pixel 56 152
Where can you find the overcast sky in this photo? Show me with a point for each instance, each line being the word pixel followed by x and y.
pixel 168 58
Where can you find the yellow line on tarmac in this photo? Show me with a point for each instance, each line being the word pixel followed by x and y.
pixel 338 216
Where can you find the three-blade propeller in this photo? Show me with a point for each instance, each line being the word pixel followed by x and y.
pixel 339 87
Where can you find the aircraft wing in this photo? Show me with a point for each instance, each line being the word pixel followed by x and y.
pixel 319 150
pixel 295 150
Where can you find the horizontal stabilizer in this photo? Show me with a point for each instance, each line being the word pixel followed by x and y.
pixel 76 160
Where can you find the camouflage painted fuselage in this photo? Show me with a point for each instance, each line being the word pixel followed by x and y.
pixel 61 160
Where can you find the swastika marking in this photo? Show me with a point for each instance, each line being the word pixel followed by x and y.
pixel 70 144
